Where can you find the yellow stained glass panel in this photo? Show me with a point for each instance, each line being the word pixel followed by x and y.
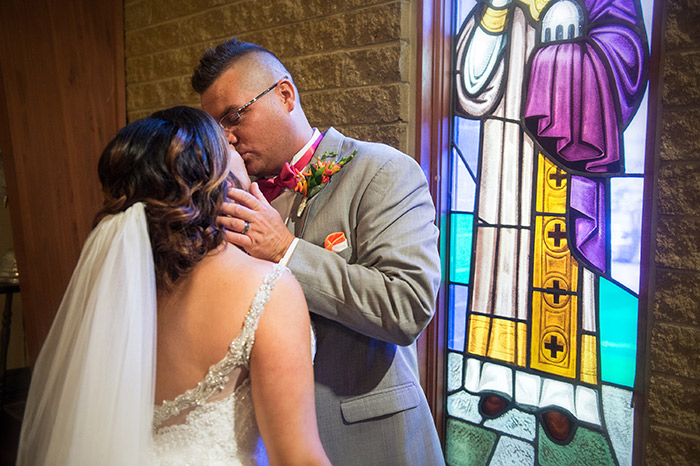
pixel 589 365
pixel 554 267
pixel 553 345
pixel 502 344
pixel 478 334
pixel 522 344
pixel 551 187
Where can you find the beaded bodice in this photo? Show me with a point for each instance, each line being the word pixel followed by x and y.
pixel 214 422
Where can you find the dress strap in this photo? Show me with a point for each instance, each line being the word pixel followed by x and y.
pixel 250 324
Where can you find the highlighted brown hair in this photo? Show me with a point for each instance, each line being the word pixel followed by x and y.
pixel 175 161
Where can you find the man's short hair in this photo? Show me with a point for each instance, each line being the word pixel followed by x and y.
pixel 216 61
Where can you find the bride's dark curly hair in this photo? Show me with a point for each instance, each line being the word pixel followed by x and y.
pixel 175 162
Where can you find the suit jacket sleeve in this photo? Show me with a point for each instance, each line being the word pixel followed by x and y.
pixel 387 289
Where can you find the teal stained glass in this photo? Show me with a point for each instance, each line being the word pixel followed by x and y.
pixel 460 247
pixel 618 333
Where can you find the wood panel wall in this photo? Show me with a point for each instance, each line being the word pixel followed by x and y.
pixel 62 98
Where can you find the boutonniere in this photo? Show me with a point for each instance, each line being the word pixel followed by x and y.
pixel 315 178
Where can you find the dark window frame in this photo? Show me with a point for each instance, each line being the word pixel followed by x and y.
pixel 432 142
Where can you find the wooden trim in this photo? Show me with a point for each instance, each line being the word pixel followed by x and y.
pixel 648 240
pixel 432 148
pixel 119 62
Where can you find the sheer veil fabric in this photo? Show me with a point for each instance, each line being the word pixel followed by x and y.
pixel 91 397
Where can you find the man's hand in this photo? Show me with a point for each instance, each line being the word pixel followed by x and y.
pixel 267 236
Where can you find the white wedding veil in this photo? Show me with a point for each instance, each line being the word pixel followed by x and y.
pixel 91 396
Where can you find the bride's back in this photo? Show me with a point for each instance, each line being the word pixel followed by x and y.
pixel 201 315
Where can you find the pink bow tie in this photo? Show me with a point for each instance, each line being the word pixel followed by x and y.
pixel 272 187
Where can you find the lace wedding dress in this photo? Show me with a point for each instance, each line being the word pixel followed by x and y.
pixel 214 422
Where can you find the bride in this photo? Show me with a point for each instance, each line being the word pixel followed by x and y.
pixel 171 346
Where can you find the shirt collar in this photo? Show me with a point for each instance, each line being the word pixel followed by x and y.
pixel 302 151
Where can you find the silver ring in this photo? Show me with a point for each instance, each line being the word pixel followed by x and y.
pixel 246 226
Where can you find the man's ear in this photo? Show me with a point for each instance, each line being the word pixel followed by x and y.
pixel 288 93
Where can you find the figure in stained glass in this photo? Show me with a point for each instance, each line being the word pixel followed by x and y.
pixel 554 84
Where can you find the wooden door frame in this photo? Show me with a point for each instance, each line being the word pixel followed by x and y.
pixel 433 81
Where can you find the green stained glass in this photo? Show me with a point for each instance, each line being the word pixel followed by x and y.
pixel 618 333
pixel 586 448
pixel 460 247
pixel 468 445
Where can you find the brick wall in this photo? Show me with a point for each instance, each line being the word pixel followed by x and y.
pixel 349 58
pixel 674 385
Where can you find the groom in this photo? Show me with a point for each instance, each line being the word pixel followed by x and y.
pixel 363 248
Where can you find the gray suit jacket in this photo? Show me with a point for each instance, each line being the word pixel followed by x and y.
pixel 369 303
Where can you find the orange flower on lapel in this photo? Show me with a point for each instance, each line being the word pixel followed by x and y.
pixel 315 178
pixel 302 184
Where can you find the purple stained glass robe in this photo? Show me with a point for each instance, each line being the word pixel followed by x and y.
pixel 581 95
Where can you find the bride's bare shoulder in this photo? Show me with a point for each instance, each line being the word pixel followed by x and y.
pixel 236 270
pixel 229 278
pixel 235 267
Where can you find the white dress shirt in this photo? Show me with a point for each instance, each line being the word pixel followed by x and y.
pixel 283 203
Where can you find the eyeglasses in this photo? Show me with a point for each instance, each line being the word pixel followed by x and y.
pixel 233 118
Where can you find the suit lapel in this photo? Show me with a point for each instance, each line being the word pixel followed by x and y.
pixel 332 142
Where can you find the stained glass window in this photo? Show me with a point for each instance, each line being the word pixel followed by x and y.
pixel 545 211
